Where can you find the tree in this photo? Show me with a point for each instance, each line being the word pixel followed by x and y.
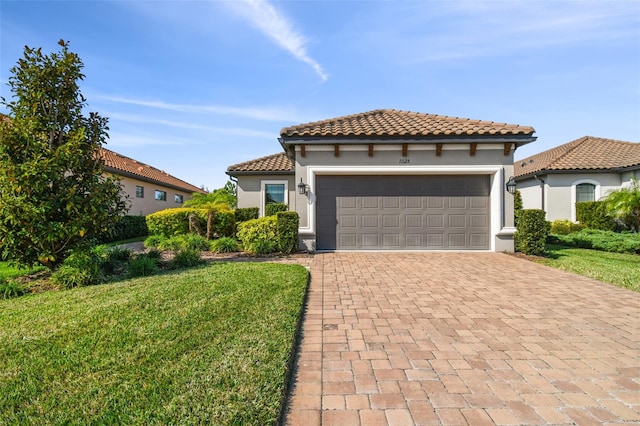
pixel 222 199
pixel 54 194
pixel 624 204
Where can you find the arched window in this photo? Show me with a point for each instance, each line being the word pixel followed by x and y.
pixel 585 192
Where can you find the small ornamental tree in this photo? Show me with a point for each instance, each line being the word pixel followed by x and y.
pixel 624 204
pixel 54 194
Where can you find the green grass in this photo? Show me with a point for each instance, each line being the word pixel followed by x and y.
pixel 8 271
pixel 207 346
pixel 620 269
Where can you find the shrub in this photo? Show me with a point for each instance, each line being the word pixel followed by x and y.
pixel 170 222
pixel 154 241
pixel 126 228
pixel 593 214
pixel 601 240
pixel 80 268
pixel 287 231
pixel 247 213
pixel 10 289
pixel 532 232
pixel 69 276
pixel 517 206
pixel 224 245
pixel 178 242
pixel 224 224
pixel 259 236
pixel 142 265
pixel 186 259
pixel 565 226
pixel 273 208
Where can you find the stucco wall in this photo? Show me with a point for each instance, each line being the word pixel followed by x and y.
pixel 148 204
pixel 531 192
pixel 250 190
pixel 561 191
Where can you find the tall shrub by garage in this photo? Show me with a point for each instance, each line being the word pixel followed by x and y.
pixel 287 228
pixel 594 215
pixel 259 236
pixel 517 206
pixel 532 232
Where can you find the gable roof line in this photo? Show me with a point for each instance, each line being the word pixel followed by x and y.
pixel 279 163
pixel 586 153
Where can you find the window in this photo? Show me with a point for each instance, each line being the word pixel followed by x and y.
pixel 139 191
pixel 161 195
pixel 178 198
pixel 585 192
pixel 273 191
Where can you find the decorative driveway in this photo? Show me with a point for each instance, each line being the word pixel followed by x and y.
pixel 463 338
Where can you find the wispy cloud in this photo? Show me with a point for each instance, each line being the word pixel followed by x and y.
pixel 265 113
pixel 272 22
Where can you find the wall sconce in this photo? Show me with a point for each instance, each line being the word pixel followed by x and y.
pixel 303 189
pixel 511 186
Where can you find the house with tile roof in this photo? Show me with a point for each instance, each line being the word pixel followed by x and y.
pixel 391 180
pixel 585 169
pixel 148 188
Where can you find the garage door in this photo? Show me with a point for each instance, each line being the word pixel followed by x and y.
pixel 402 212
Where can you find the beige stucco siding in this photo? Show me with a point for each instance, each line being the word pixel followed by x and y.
pixel 148 204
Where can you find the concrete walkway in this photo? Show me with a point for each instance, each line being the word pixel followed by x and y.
pixel 463 338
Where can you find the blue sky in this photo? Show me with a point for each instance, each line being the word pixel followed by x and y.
pixel 192 87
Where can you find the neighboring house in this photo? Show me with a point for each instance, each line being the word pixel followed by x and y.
pixel 586 169
pixel 391 180
pixel 148 188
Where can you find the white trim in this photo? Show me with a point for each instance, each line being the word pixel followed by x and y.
pixel 575 183
pixel 272 182
pixel 398 147
pixel 496 174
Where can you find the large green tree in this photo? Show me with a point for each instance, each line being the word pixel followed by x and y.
pixel 54 194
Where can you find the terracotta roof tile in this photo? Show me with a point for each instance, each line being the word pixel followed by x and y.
pixel 395 123
pixel 586 153
pixel 272 163
pixel 119 163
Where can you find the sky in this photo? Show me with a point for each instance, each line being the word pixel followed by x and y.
pixel 192 87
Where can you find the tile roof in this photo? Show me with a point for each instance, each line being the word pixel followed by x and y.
pixel 119 164
pixel 586 153
pixel 396 123
pixel 272 163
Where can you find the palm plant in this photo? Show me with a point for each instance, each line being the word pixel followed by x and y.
pixel 624 204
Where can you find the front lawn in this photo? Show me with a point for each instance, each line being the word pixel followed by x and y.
pixel 207 346
pixel 620 269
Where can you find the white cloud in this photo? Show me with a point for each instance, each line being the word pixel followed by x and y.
pixel 264 16
pixel 265 113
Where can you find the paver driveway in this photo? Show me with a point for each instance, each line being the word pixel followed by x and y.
pixel 456 338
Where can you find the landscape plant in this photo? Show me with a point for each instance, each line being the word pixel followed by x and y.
pixel 287 228
pixel 55 196
pixel 224 245
pixel 624 204
pixel 532 232
pixel 594 215
pixel 259 236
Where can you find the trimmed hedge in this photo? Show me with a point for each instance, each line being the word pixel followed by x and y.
pixel 593 214
pixel 287 228
pixel 600 240
pixel 170 222
pixel 259 236
pixel 565 226
pixel 127 227
pixel 247 213
pixel 275 208
pixel 517 206
pixel 532 232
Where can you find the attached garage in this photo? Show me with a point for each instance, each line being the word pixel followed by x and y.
pixel 423 212
pixel 393 180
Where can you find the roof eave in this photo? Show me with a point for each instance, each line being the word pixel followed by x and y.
pixel 150 180
pixel 288 141
pixel 259 172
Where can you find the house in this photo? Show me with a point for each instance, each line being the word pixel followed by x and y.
pixel 391 180
pixel 586 169
pixel 148 188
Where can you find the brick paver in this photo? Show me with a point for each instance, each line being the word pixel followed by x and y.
pixel 463 338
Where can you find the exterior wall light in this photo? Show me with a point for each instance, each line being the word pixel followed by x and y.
pixel 303 189
pixel 511 186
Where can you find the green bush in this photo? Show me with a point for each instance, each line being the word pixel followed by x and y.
pixel 517 206
pixel 178 242
pixel 143 265
pixel 565 226
pixel 10 289
pixel 186 258
pixel 170 222
pixel 532 232
pixel 287 231
pixel 69 276
pixel 274 208
pixel 154 241
pixel 224 245
pixel 126 228
pixel 247 213
pixel 224 224
pixel 594 214
pixel 259 236
pixel 601 240
pixel 80 268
